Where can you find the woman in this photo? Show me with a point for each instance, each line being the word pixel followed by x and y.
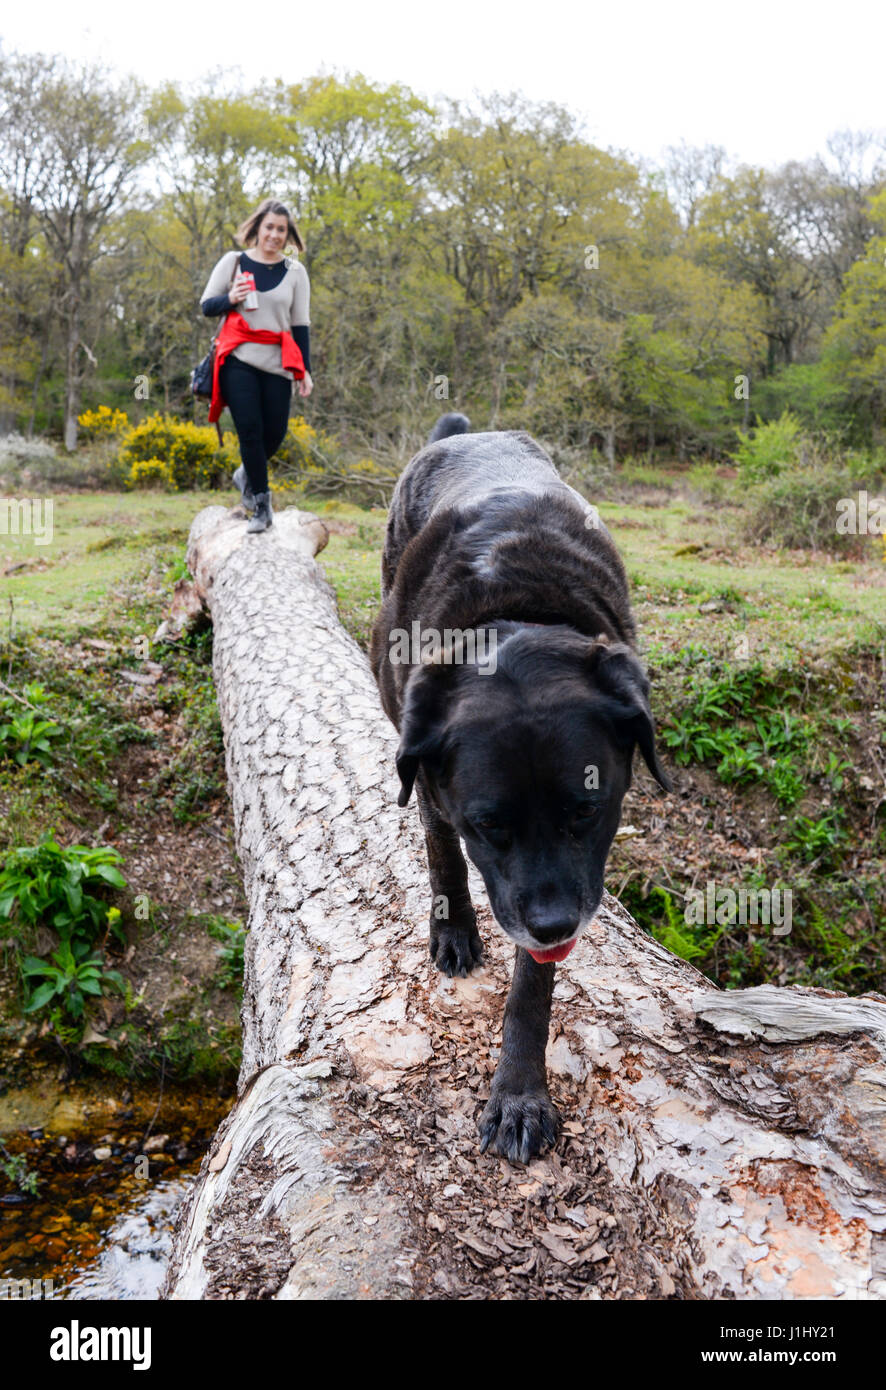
pixel 260 351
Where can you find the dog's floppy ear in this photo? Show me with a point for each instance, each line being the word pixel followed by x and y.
pixel 421 725
pixel 624 699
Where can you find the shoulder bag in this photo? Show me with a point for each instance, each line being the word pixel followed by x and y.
pixel 201 375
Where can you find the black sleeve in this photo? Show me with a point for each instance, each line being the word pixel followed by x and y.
pixel 301 332
pixel 216 304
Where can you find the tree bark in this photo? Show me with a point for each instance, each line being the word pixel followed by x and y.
pixel 72 368
pixel 716 1144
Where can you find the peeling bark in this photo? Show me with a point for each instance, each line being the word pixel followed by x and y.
pixel 715 1145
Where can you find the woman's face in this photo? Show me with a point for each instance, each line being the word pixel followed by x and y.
pixel 272 233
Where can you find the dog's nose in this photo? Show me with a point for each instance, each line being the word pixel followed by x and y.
pixel 549 931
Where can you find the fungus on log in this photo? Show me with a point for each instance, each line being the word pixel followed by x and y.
pixel 715 1144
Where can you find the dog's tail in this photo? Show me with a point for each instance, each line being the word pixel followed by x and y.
pixel 453 423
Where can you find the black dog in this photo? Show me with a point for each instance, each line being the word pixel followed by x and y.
pixel 504 655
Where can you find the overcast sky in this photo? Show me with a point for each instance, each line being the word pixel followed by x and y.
pixel 766 79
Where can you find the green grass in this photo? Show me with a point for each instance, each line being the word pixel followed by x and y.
pixel 798 605
pixel 97 540
pixel 795 606
pixel 352 563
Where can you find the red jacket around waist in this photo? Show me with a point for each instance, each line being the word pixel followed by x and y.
pixel 236 330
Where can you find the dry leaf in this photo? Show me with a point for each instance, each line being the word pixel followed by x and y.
pixel 477 1244
pixel 218 1161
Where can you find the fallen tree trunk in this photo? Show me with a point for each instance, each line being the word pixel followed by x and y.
pixel 716 1144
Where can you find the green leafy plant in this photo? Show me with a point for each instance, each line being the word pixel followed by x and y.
pixel 24 734
pixel 131 1000
pixel 14 1168
pixel 781 732
pixel 662 913
pixel 676 935
pixel 46 884
pixel 691 654
pixel 735 716
pixel 839 957
pixel 817 839
pixel 841 724
pixel 740 764
pixel 785 781
pixel 232 936
pixel 834 770
pixel 74 974
pixel 771 448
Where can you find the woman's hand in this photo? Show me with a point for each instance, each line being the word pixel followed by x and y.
pixel 239 290
pixel 306 385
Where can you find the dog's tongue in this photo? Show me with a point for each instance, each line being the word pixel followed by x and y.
pixel 555 953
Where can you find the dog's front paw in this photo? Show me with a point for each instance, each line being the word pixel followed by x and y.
pixel 518 1125
pixel 455 950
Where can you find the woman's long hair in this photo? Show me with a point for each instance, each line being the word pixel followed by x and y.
pixel 247 233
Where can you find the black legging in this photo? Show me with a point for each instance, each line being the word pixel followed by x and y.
pixel 259 404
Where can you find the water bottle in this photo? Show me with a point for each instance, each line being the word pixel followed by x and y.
pixel 251 300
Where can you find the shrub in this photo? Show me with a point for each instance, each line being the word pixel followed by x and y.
pixel 150 473
pixel 190 453
pixel 317 462
pixel 24 462
pixel 103 422
pixel 18 452
pixel 798 510
pixel 771 448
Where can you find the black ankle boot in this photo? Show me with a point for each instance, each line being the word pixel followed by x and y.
pixel 264 517
pixel 242 482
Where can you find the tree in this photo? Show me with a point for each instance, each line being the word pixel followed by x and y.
pixel 29 277
pixel 362 155
pixel 218 152
pixel 744 230
pixel 854 350
pixel 522 201
pixel 78 174
pixel 690 175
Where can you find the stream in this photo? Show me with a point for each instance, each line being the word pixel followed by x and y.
pixel 109 1173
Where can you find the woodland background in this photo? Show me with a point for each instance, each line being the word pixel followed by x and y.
pixel 600 301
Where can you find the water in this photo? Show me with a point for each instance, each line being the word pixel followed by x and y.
pixel 136 1250
pixel 110 1174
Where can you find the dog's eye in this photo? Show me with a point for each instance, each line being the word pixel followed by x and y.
pixel 492 830
pixel 582 815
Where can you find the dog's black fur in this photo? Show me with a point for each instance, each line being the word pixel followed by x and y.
pixel 453 423
pixel 482 533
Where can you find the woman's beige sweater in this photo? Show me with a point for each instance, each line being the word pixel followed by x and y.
pixel 278 309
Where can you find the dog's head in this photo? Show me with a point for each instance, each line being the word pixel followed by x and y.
pixel 530 764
